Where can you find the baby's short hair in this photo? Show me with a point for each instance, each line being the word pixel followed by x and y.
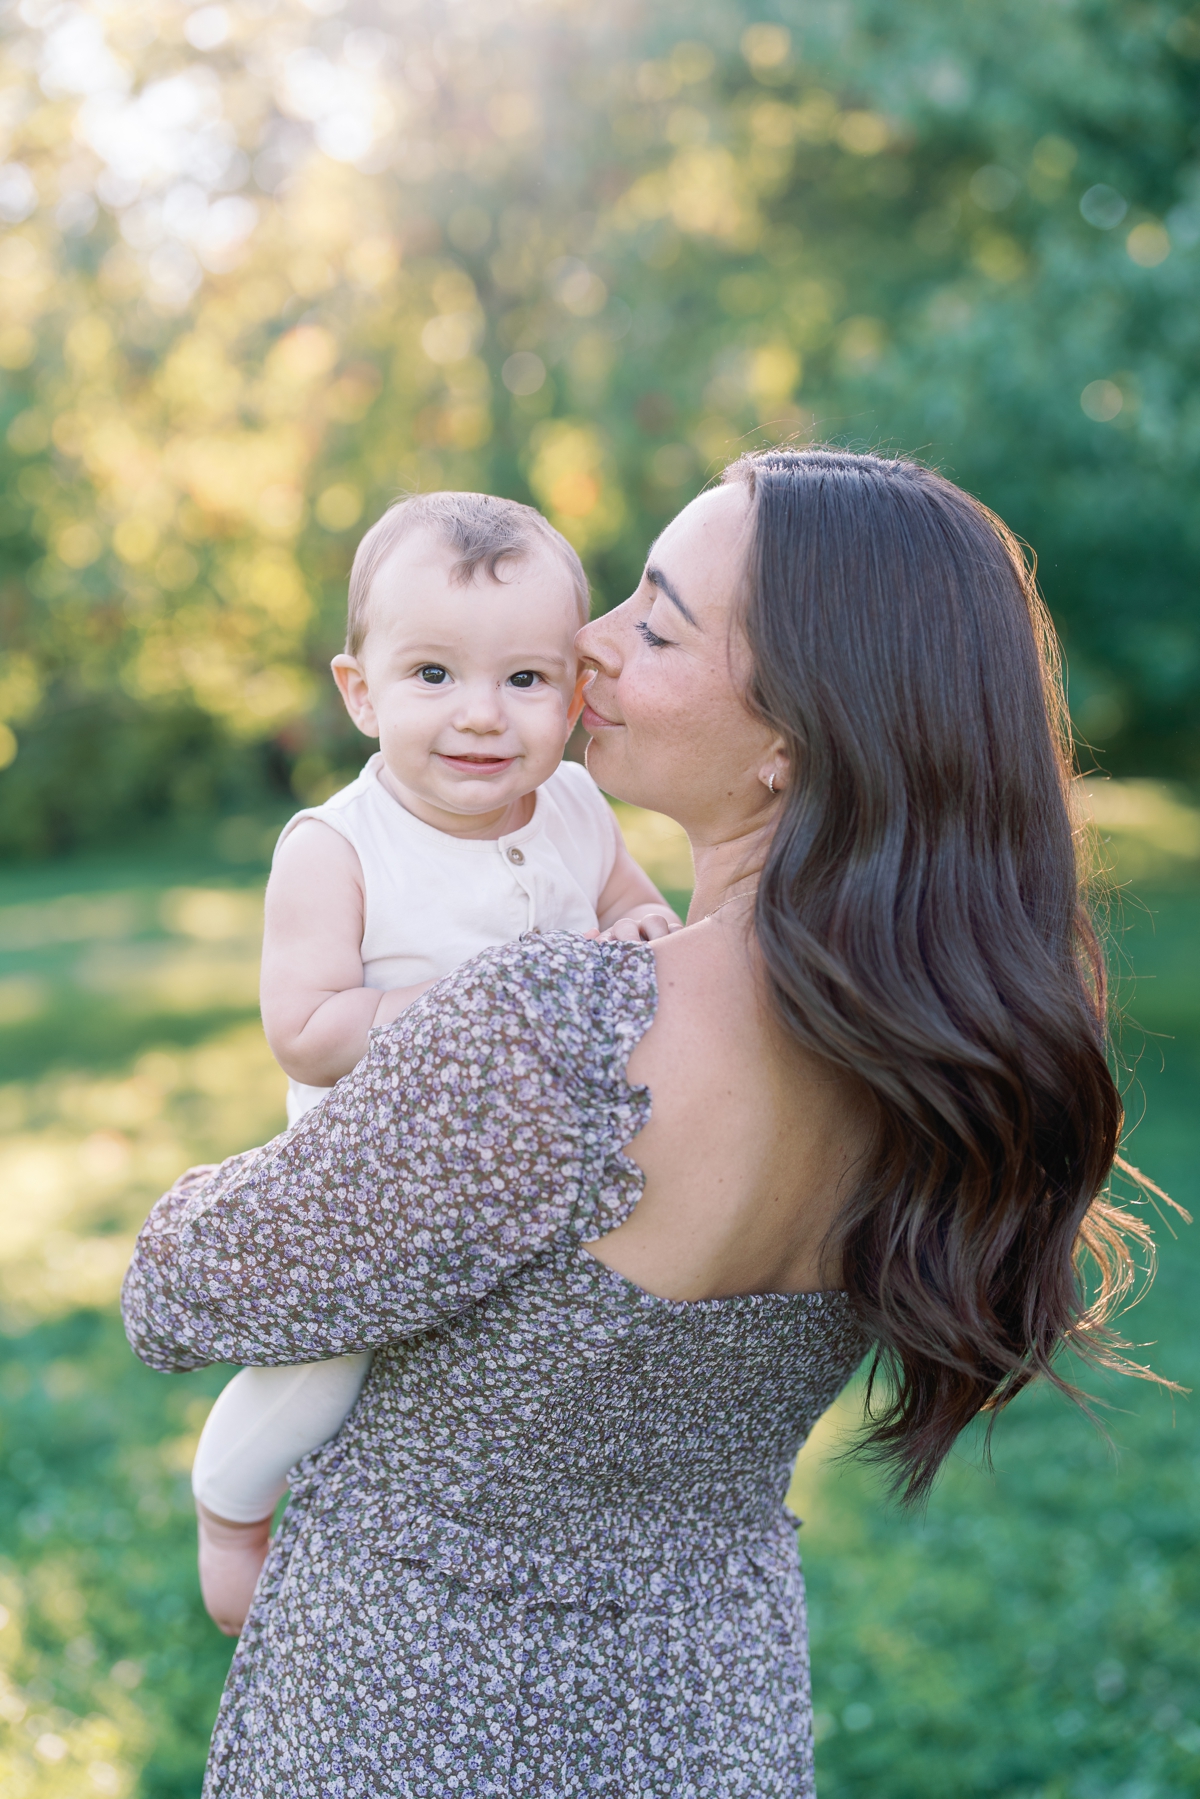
pixel 483 528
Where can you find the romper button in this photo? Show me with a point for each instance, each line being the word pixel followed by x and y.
pixel 515 855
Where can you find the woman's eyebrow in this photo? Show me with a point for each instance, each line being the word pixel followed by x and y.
pixel 656 577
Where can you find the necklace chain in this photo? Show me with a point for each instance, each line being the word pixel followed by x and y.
pixel 724 903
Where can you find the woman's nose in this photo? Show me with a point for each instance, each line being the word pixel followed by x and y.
pixel 597 644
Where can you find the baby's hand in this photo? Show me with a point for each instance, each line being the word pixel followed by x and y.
pixel 231 1559
pixel 641 926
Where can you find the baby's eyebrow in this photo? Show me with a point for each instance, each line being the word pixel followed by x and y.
pixel 548 658
pixel 429 649
pixel 656 577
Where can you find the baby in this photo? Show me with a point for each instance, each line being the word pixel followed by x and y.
pixel 465 829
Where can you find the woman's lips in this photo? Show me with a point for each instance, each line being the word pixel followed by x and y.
pixel 595 721
pixel 478 765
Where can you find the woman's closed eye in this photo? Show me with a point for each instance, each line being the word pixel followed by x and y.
pixel 651 637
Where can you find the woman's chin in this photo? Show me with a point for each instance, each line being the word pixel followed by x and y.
pixel 601 765
pixel 607 768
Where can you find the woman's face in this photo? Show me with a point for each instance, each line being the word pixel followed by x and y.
pixel 669 725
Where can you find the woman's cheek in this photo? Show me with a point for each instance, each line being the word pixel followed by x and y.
pixel 646 697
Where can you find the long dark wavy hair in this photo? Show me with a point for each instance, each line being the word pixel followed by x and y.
pixel 921 920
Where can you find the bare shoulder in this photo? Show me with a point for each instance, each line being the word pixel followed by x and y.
pixel 314 897
pixel 715 1018
pixel 708 995
pixel 703 962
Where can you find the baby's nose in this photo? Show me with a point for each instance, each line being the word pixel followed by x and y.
pixel 481 708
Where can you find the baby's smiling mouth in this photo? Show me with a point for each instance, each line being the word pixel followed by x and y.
pixel 480 764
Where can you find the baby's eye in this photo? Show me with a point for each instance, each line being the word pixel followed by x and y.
pixel 433 673
pixel 527 677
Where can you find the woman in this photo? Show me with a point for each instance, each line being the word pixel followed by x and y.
pixel 620 1219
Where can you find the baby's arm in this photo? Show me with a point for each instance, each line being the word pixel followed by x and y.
pixel 629 893
pixel 316 1012
pixel 261 1425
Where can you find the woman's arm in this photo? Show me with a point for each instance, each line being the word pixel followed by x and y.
pixel 464 1142
pixel 315 1010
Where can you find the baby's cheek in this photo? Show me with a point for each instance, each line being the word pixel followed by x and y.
pixel 545 726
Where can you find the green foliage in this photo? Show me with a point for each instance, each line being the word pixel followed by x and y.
pixel 262 278
pixel 97 768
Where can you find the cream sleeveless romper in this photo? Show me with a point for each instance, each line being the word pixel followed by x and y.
pixel 431 902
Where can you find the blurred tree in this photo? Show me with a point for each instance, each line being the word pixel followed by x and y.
pixel 269 265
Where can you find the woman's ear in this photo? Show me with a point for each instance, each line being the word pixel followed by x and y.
pixel 776 767
pixel 352 685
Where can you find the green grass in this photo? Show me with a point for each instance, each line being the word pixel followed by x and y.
pixel 1036 1632
pixel 100 1549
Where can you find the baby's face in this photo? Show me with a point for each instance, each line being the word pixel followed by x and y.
pixel 470 690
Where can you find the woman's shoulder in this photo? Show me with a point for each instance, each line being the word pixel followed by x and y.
pixel 562 980
pixel 553 998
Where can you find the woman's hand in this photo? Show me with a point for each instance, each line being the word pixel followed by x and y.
pixel 642 925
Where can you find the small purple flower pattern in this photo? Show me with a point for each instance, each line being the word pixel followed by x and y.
pixel 547 1555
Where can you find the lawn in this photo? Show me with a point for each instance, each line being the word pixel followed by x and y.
pixel 1036 1632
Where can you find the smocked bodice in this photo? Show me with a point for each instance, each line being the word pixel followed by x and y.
pixel 578 1435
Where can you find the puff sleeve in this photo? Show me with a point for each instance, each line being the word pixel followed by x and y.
pixel 482 1125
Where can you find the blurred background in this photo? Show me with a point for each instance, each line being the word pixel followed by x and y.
pixel 266 266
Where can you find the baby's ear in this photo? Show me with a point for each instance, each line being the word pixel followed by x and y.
pixel 352 685
pixel 576 706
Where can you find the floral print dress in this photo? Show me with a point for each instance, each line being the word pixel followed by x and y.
pixel 547 1554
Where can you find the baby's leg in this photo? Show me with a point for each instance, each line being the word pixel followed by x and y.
pixel 263 1422
pixel 230 1559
